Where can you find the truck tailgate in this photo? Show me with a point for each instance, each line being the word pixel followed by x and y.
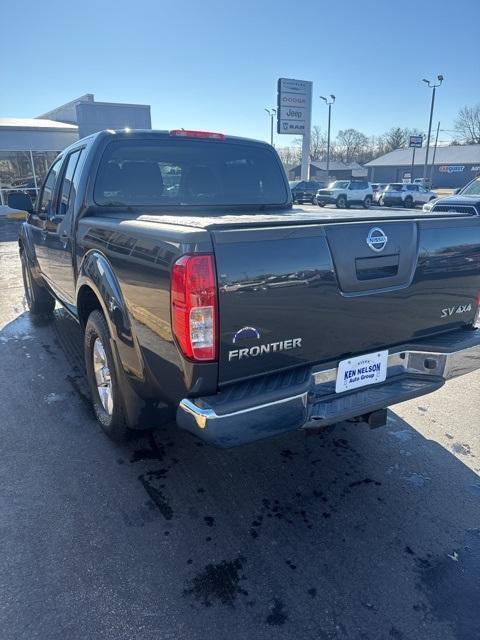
pixel 300 295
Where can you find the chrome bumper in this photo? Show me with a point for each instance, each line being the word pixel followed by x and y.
pixel 412 372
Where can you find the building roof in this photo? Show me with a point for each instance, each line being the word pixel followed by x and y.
pixel 454 154
pixel 36 123
pixel 334 166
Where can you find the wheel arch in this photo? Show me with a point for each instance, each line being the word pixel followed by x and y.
pixel 98 289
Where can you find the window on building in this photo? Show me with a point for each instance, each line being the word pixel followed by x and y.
pixel 19 173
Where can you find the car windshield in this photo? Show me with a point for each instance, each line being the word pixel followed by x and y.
pixel 472 189
pixel 339 184
pixel 165 172
pixel 394 187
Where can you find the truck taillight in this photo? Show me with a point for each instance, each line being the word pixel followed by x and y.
pixel 194 306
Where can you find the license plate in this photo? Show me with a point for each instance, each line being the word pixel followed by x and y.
pixel 361 371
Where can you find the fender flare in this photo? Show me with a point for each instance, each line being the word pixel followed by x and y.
pixel 25 243
pixel 97 274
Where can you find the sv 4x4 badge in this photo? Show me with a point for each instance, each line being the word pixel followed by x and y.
pixel 459 308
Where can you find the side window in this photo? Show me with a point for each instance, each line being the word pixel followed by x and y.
pixel 45 201
pixel 68 186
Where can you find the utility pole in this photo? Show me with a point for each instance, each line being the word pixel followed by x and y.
pixel 433 86
pixel 272 113
pixel 329 104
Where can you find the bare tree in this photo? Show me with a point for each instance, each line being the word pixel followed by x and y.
pixel 467 124
pixel 318 144
pixel 350 144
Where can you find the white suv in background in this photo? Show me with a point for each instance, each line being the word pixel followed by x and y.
pixel 407 195
pixel 343 193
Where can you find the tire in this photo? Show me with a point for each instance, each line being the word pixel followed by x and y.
pixel 320 204
pixel 101 374
pixel 40 301
pixel 341 202
pixel 367 203
pixel 408 203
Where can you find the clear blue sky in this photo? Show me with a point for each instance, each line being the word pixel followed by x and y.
pixel 213 64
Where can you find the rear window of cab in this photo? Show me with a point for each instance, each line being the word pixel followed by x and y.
pixel 185 172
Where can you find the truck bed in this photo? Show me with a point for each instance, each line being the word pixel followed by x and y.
pixel 294 216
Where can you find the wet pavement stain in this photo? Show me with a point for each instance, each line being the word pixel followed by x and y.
pixel 357 483
pixel 462 448
pixel 277 617
pixel 153 451
pixel 209 521
pixel 218 583
pixel 155 494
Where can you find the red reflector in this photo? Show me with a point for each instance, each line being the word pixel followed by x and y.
pixel 194 306
pixel 197 134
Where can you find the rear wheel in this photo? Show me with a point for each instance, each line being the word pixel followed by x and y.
pixel 102 378
pixel 408 202
pixel 40 302
pixel 367 203
pixel 341 202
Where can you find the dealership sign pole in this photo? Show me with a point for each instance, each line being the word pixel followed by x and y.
pixel 294 115
pixel 415 143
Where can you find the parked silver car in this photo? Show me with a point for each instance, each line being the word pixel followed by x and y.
pixel 407 195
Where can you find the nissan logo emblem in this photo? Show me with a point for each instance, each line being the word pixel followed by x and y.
pixel 376 239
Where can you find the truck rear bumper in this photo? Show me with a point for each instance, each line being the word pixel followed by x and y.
pixel 301 399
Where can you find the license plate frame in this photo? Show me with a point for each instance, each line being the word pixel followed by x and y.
pixel 361 371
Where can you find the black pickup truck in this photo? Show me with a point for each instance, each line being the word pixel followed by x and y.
pixel 203 294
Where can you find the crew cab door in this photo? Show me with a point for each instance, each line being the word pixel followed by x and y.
pixel 59 263
pixel 43 208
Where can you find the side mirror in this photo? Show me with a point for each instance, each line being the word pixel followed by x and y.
pixel 20 201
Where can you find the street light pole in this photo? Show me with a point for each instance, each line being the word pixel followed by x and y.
pixel 272 113
pixel 433 86
pixel 329 104
pixel 434 154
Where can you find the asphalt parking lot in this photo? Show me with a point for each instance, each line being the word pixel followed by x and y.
pixel 347 534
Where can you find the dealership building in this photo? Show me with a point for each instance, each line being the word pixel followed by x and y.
pixel 336 171
pixel 29 145
pixel 452 167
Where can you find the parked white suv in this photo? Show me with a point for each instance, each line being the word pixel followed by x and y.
pixel 406 195
pixel 343 193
